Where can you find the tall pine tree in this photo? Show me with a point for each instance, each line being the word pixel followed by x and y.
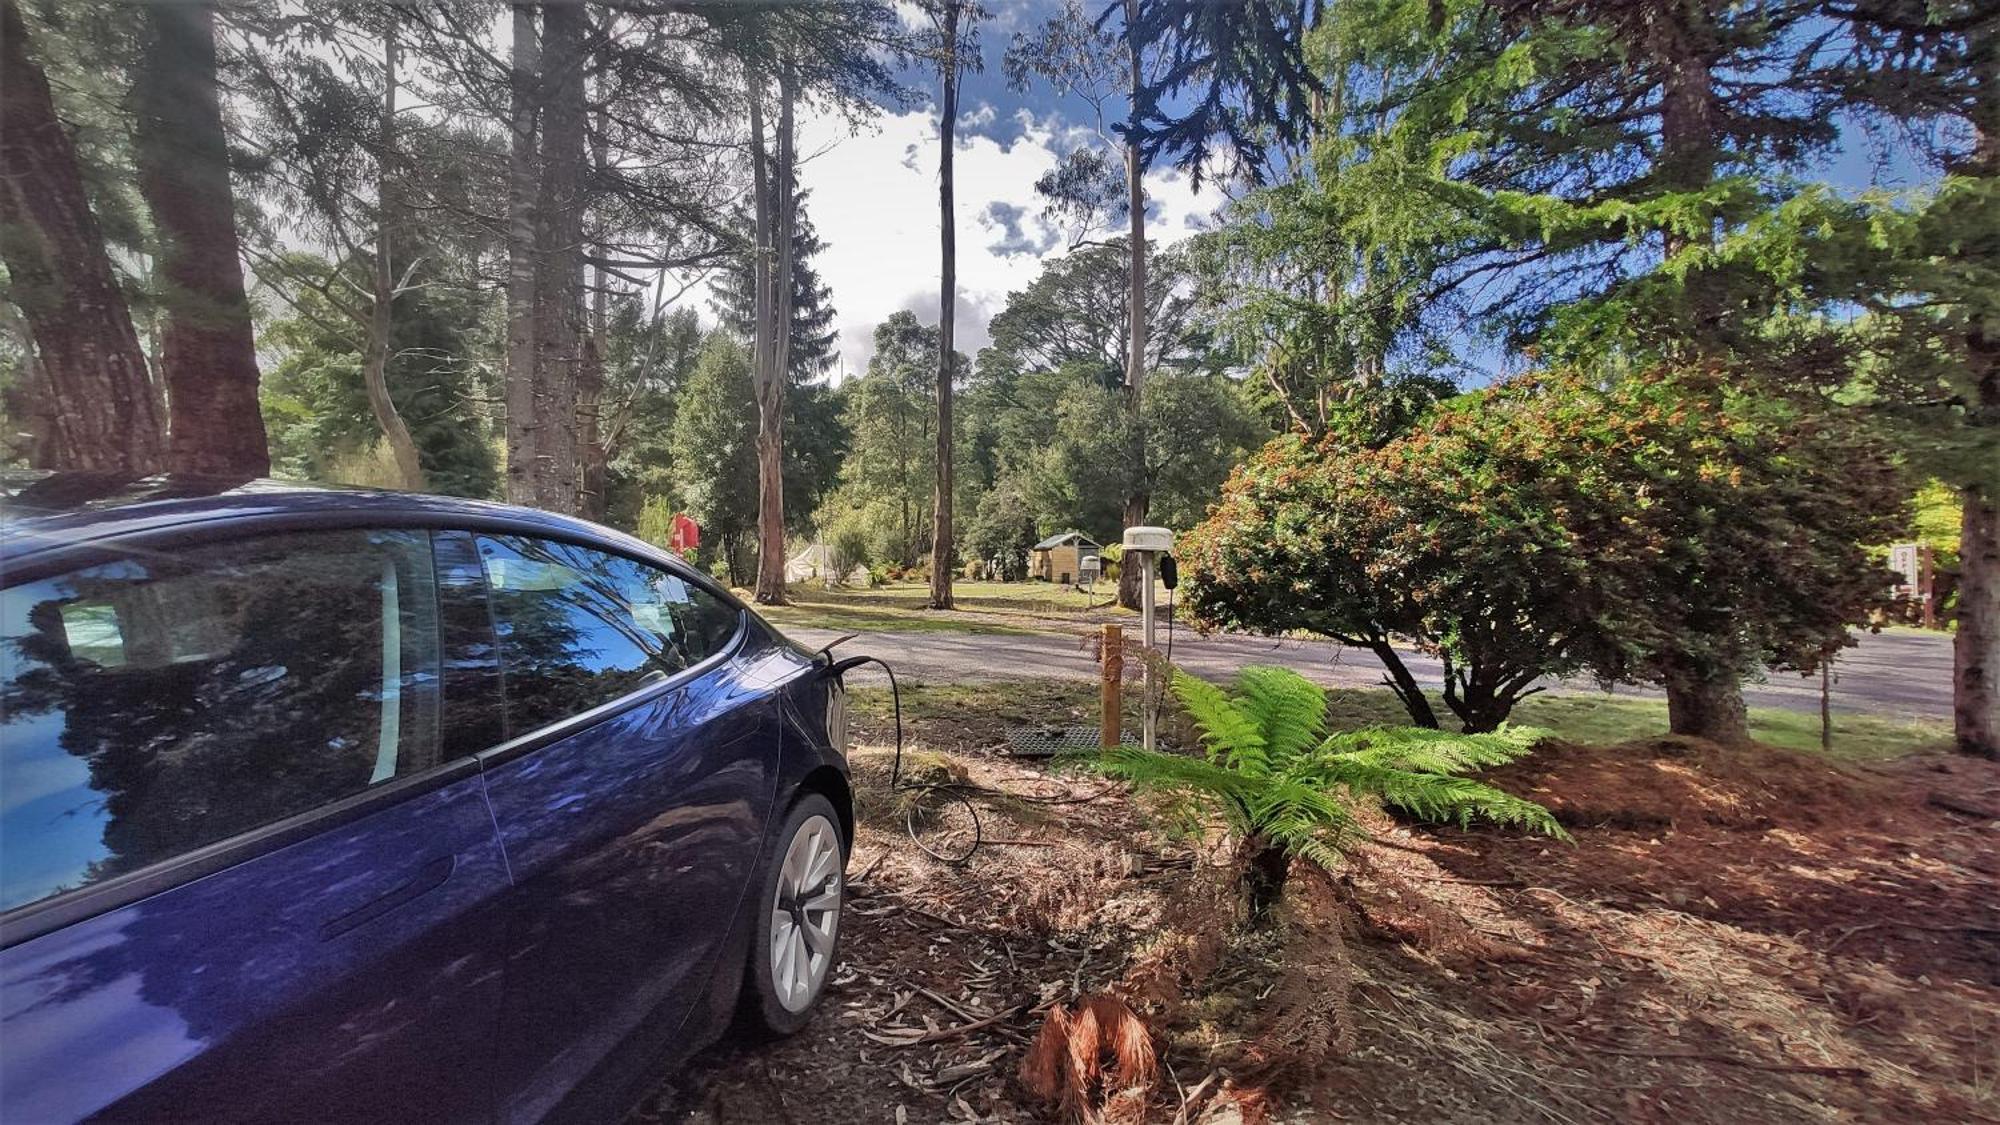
pixel 1574 164
pixel 814 335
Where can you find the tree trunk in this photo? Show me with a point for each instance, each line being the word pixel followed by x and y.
pixel 773 260
pixel 558 305
pixel 99 408
pixel 1706 705
pixel 942 550
pixel 1399 680
pixel 375 366
pixel 1266 867
pixel 1976 649
pixel 592 439
pixel 524 93
pixel 1975 704
pixel 1138 498
pixel 215 424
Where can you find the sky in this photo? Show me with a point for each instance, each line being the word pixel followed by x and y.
pixel 874 198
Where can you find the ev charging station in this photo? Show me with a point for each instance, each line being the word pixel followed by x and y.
pixel 1153 549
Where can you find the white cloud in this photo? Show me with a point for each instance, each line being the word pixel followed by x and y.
pixel 875 203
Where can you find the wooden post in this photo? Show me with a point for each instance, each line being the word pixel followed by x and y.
pixel 1926 586
pixel 1110 694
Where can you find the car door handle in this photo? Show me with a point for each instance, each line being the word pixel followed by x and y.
pixel 428 877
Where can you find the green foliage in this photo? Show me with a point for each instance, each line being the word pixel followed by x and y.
pixel 1271 771
pixel 887 480
pixel 1002 528
pixel 647 365
pixel 813 332
pixel 714 449
pixel 848 551
pixel 316 410
pixel 1546 526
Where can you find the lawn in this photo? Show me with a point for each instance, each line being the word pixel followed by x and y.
pixel 982 607
pixel 975 716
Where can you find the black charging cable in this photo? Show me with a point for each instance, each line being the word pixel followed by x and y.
pixel 951 792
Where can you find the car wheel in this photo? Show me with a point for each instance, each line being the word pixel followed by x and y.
pixel 798 918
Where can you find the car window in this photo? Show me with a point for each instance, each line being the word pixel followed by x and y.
pixel 162 702
pixel 579 627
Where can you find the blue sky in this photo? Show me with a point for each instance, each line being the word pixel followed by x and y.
pixel 874 197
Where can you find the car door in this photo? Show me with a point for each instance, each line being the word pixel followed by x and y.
pixel 631 802
pixel 244 877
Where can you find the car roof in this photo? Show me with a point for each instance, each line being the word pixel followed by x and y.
pixel 44 511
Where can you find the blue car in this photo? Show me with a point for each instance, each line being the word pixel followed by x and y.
pixel 323 804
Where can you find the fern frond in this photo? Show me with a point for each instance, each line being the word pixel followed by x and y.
pixel 1231 735
pixel 1273 772
pixel 1290 710
pixel 1153 769
pixel 1440 796
pixel 1434 751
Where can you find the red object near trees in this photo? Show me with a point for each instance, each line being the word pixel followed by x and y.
pixel 685 534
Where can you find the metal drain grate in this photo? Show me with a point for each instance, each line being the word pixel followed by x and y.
pixel 1048 742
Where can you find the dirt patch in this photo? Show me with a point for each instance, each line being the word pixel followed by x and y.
pixel 1734 936
pixel 1672 781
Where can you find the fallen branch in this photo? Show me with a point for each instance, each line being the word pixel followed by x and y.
pixel 940 1034
pixel 1962 806
pixel 1454 880
pixel 1729 1060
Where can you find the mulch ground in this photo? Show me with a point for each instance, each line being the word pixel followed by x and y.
pixel 1733 936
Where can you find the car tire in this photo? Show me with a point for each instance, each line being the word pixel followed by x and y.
pixel 795 941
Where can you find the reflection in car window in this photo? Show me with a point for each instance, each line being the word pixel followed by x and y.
pixel 162 702
pixel 579 627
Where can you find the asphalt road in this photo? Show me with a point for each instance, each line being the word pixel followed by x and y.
pixel 1903 673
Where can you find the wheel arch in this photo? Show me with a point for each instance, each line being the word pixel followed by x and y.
pixel 832 784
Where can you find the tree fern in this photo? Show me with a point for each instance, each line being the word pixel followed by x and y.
pixel 1286 787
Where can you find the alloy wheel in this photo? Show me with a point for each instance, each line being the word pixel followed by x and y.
pixel 805 914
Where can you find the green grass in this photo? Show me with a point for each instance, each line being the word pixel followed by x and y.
pixel 859 618
pixel 971 716
pixel 1013 608
pixel 1598 720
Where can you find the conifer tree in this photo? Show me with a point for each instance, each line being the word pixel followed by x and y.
pixel 814 335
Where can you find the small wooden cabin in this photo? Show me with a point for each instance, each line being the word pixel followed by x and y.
pixel 1059 558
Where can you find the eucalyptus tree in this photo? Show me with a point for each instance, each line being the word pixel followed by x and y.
pixel 837 57
pixel 952 48
pixel 1203 84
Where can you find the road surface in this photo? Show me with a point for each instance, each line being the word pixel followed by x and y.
pixel 1903 673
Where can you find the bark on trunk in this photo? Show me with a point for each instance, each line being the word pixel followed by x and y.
pixel 1483 696
pixel 942 549
pixel 592 437
pixel 558 304
pixel 1139 499
pixel 381 322
pixel 525 82
pixel 99 410
pixel 770 183
pixel 215 424
pixel 1976 648
pixel 1399 680
pixel 1705 704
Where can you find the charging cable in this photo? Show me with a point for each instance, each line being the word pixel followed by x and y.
pixel 950 791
